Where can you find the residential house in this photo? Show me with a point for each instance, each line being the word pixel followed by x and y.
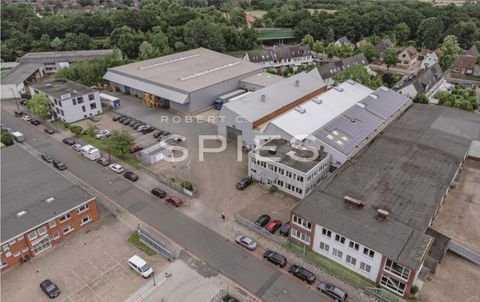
pixel 383 45
pixel 40 207
pixel 425 82
pixel 429 59
pixel 280 56
pixel 70 101
pixel 407 56
pixel 328 70
pixel 465 64
pixel 343 41
pixel 362 43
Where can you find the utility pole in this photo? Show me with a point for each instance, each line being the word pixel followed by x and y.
pixel 15 99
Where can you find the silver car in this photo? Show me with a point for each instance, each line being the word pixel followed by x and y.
pixel 246 242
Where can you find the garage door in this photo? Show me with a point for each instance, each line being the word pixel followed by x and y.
pixel 232 133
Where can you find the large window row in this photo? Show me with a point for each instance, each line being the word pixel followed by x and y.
pixel 393 284
pixel 278 170
pixel 302 222
pixel 300 236
pixel 397 269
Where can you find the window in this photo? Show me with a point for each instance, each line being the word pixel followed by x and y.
pixel 337 253
pixel 74 101
pixel 12 242
pixel 340 239
pixel 393 284
pixel 82 208
pixel 56 102
pixel 60 103
pixel 368 252
pixel 17 254
pixel 58 110
pixel 327 233
pixel 300 236
pixel 83 108
pixel 42 231
pixel 56 235
pixel 324 246
pixel 397 269
pixel 19 238
pixel 351 260
pixel 52 223
pixel 64 217
pixel 25 250
pixel 86 219
pixel 353 245
pixel 61 112
pixel 68 229
pixel 365 267
pixel 91 97
pixel 300 221
pixel 5 248
pixel 93 106
pixel 32 235
pixel 80 100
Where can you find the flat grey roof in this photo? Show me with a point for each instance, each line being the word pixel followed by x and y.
pixel 26 184
pixel 185 71
pixel 263 79
pixel 405 171
pixel 58 88
pixel 75 55
pixel 20 73
pixel 252 107
pixel 283 150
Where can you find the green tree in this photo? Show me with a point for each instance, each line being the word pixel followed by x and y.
pixel 57 43
pixel 330 36
pixel 331 50
pixel 75 129
pixel 203 33
pixel 358 73
pixel 421 98
pixel 308 40
pixel 402 32
pixel 120 143
pixel 429 32
pixel 147 51
pixel 91 130
pixel 390 57
pixel 127 40
pixel 370 52
pixel 159 40
pixel 450 51
pixel 237 17
pixel 6 138
pixel 318 47
pixel 39 105
pixel 466 32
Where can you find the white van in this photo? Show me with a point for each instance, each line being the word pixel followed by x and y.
pixel 90 152
pixel 140 266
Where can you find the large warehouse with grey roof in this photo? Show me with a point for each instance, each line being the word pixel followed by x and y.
pixel 187 82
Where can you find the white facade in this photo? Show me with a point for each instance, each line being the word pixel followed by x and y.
pixel 287 178
pixel 348 253
pixel 10 91
pixel 296 61
pixel 429 60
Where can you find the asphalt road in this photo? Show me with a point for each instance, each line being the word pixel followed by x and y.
pixel 255 275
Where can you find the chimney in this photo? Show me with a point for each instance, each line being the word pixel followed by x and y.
pixel 297 83
pixel 353 202
pixel 382 214
pixel 263 98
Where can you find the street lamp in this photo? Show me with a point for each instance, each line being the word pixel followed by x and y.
pixel 154 282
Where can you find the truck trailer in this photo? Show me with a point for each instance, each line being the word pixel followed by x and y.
pixel 227 97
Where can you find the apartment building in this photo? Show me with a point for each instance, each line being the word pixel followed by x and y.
pixel 374 215
pixel 292 169
pixel 40 207
pixel 70 101
pixel 280 56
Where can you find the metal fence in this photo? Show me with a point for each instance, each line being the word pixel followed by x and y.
pixel 168 182
pixel 157 243
pixel 249 224
pixel 218 296
pixel 384 294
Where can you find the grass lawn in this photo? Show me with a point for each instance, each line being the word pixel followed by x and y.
pixel 135 240
pixel 331 266
pixel 101 144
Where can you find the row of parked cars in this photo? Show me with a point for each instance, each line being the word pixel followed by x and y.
pixel 272 225
pixel 138 125
pixel 296 270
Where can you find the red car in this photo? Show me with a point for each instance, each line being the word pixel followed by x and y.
pixel 136 148
pixel 174 200
pixel 273 225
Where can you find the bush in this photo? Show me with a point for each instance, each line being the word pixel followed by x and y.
pixel 76 129
pixel 187 185
pixel 66 125
pixel 7 139
pixel 421 98
pixel 272 189
pixel 414 290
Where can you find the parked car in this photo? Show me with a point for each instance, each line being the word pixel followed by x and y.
pixel 174 200
pixel 126 121
pixel 136 124
pixel 116 168
pixel 333 292
pixel 142 127
pixel 273 225
pixel 27 117
pixel 246 242
pixel 232 299
pixel 19 113
pixel 49 130
pixel 69 141
pixel 163 136
pixel 159 192
pixel 148 130
pixel 60 165
pixel 157 134
pixel 275 258
pixel 139 125
pixel 103 161
pixel 122 119
pixel 136 148
pixel 24 102
pixel 262 220
pixel 244 183
pixel 94 119
pixel 35 122
pixel 77 147
pixel 134 121
pixel 102 134
pixel 285 229
pixel 116 117
pixel 140 266
pixel 46 157
pixel 130 176
pixel 50 288
pixel 302 273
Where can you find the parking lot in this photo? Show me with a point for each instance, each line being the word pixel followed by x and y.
pixel 90 266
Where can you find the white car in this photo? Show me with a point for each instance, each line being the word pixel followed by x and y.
pixel 77 147
pixel 104 133
pixel 27 117
pixel 140 266
pixel 116 168
pixel 246 242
